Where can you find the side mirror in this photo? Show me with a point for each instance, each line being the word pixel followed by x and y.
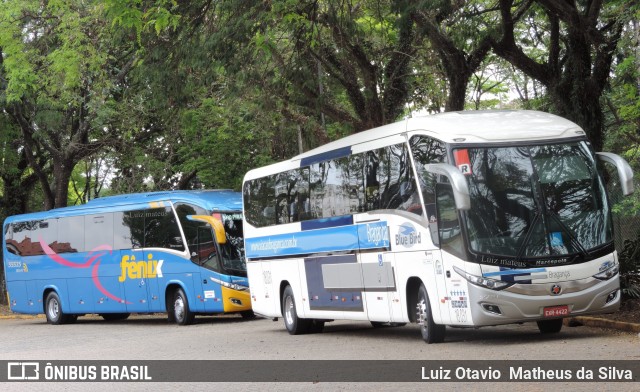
pixel 216 225
pixel 624 170
pixel 458 183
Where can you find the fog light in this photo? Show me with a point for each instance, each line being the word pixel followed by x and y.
pixel 492 308
pixel 236 301
pixel 612 296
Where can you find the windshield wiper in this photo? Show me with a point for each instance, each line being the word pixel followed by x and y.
pixel 528 235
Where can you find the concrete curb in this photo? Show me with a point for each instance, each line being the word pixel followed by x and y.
pixel 601 323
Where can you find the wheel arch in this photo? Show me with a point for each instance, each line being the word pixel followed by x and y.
pixel 168 295
pixel 283 285
pixel 54 289
pixel 412 287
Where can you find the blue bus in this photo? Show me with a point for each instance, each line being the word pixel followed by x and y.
pixel 179 252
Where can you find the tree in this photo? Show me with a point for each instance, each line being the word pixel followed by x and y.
pixel 580 40
pixel 344 62
pixel 458 36
pixel 61 64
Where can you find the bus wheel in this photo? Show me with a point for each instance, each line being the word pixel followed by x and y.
pixel 53 310
pixel 550 326
pixel 180 309
pixel 431 332
pixel 115 316
pixel 292 322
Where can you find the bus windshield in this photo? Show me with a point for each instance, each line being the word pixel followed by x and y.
pixel 534 201
pixel 232 251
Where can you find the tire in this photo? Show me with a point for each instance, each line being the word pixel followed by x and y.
pixel 115 316
pixel 294 324
pixel 179 309
pixel 53 310
pixel 549 326
pixel 431 332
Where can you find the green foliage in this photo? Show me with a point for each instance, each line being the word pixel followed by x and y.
pixel 629 259
pixel 143 16
pixel 193 94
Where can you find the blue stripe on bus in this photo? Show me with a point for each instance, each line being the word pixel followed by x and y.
pixel 514 272
pixel 373 235
pixel 325 156
pixel 326 222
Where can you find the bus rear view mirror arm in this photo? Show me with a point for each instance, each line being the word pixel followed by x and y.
pixel 458 183
pixel 624 170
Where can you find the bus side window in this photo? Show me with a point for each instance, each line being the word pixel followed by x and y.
pixel 207 251
pixel 398 186
pixel 161 229
pixel 122 232
pixel 98 231
pixel 449 231
pixel 71 235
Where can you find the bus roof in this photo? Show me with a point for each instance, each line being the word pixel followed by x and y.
pixel 213 200
pixel 473 126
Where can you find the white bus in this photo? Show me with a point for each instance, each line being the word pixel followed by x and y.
pixel 460 219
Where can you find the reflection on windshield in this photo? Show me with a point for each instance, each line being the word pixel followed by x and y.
pixel 535 201
pixel 232 252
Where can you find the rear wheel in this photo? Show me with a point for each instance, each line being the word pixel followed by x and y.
pixel 292 322
pixel 550 326
pixel 179 311
pixel 53 310
pixel 431 332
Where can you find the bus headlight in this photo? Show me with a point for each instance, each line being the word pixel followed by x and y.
pixel 607 271
pixel 487 283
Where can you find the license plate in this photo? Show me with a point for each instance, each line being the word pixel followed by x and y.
pixel 556 311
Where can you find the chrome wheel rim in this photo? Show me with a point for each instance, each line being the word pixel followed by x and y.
pixel 53 309
pixel 288 310
pixel 421 312
pixel 178 308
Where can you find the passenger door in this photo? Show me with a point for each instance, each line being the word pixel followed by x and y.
pixel 454 304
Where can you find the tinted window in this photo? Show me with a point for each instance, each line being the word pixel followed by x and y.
pixel 259 201
pixel 378 179
pixel 71 233
pixel 161 229
pixel 122 237
pixel 398 189
pixel 448 222
pixel 190 227
pixel 426 150
pixel 99 231
pixel 25 238
pixel 292 195
pixel 149 228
